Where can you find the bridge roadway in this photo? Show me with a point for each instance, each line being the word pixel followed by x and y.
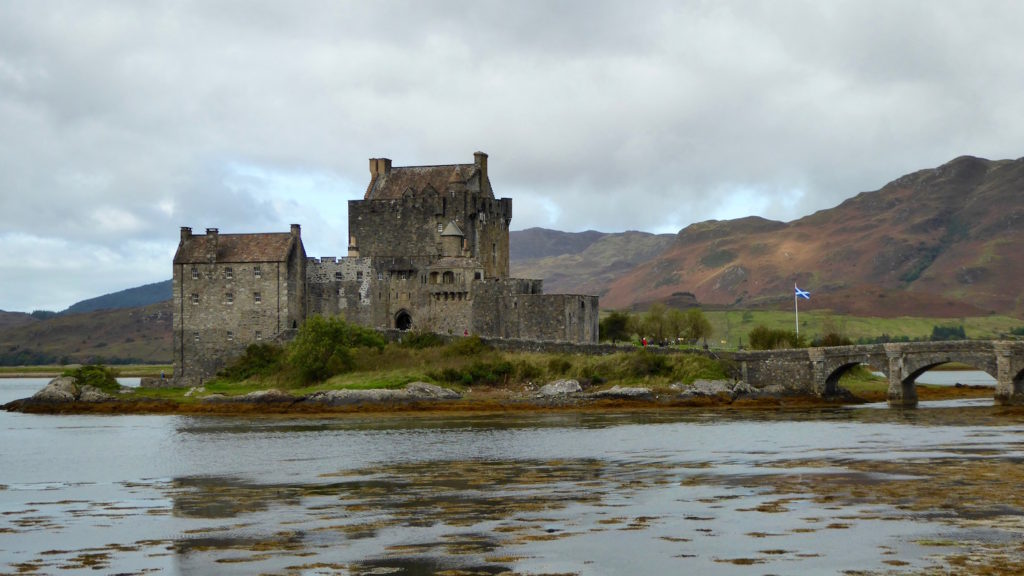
pixel 818 370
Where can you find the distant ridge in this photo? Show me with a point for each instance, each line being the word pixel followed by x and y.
pixel 130 298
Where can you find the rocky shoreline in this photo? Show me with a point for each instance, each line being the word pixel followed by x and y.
pixel 64 396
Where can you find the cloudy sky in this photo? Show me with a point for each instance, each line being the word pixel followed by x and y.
pixel 122 121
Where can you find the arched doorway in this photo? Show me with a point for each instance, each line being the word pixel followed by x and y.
pixel 403 321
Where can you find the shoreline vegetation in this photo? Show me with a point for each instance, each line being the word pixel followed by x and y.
pixel 333 368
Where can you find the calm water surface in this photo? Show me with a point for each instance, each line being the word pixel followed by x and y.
pixel 825 491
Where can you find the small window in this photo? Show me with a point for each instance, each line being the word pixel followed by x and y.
pixel 337 275
pixel 257 297
pixel 229 273
pixel 380 275
pixel 259 335
pixel 195 336
pixel 231 336
pixel 440 227
pixel 478 275
pixel 229 298
pixel 494 251
pixel 256 272
pixel 359 276
pixel 195 298
pixel 341 292
pixel 195 273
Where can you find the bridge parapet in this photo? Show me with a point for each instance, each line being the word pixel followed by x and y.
pixel 818 370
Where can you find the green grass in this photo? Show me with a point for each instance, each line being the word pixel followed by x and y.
pixel 729 327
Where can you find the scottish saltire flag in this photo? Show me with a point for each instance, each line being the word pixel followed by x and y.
pixel 802 293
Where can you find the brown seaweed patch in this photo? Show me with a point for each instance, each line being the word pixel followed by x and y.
pixel 740 561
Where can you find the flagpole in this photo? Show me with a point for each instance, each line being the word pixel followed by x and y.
pixel 796 311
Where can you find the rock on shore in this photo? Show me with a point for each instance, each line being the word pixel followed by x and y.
pixel 66 389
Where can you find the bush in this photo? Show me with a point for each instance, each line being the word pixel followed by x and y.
pixel 421 340
pixel 559 366
pixel 940 333
pixel 477 373
pixel 831 339
pixel 323 347
pixel 95 375
pixel 469 346
pixel 1018 331
pixel 764 338
pixel 260 359
pixel 644 363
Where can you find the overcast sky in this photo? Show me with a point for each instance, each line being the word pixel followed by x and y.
pixel 122 121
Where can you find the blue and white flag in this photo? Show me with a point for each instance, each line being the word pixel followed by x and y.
pixel 802 293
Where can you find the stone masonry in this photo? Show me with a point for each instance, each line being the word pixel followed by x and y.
pixel 428 250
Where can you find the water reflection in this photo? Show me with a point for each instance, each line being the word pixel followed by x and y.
pixel 712 492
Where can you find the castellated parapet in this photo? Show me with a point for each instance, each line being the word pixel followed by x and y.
pixel 428 250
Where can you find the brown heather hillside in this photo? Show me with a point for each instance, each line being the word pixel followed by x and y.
pixel 941 242
pixel 584 262
pixel 137 334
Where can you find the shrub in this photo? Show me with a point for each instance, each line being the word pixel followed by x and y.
pixel 764 338
pixel 469 346
pixel 421 340
pixel 558 366
pixel 948 333
pixel 260 359
pixel 477 373
pixel 644 363
pixel 323 347
pixel 101 377
pixel 831 339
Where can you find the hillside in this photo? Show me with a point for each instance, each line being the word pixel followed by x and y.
pixel 584 262
pixel 130 298
pixel 130 334
pixel 939 242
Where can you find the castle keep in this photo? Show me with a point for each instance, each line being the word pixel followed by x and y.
pixel 428 250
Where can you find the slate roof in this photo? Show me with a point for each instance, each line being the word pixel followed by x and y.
pixel 268 247
pixel 394 184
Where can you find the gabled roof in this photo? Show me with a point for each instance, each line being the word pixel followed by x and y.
pixel 396 182
pixel 452 229
pixel 269 247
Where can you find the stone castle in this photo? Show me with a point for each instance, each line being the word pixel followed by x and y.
pixel 428 250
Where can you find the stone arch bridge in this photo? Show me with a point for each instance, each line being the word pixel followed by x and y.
pixel 818 370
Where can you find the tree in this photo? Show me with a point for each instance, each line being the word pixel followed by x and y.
pixel 654 322
pixel 697 325
pixel 615 327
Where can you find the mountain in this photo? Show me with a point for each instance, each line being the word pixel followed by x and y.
pixel 141 334
pixel 581 262
pixel 130 298
pixel 937 242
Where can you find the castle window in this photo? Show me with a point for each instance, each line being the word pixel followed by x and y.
pixel 448 278
pixel 257 297
pixel 195 298
pixel 229 298
pixel 359 276
pixel 195 273
pixel 478 275
pixel 380 275
pixel 256 272
pixel 229 273
pixel 259 335
pixel 195 336
pixel 231 336
pixel 337 275
pixel 494 251
pixel 341 292
pixel 440 228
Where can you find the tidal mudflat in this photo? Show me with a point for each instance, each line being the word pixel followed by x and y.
pixel 830 490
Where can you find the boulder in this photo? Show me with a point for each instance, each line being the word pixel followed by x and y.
pixel 412 392
pixel 60 389
pixel 624 392
pixel 425 391
pixel 93 394
pixel 267 396
pixel 559 388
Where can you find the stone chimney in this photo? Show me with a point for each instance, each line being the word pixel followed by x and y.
pixel 296 230
pixel 380 166
pixel 186 233
pixel 480 160
pixel 211 244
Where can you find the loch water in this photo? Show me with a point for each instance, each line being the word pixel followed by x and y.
pixel 838 490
